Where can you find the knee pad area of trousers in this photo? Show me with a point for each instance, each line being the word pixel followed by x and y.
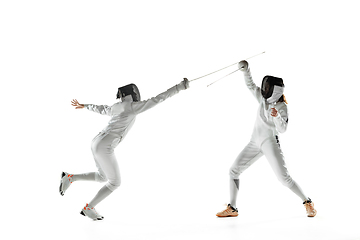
pixel 113 185
pixel 100 178
pixel 234 173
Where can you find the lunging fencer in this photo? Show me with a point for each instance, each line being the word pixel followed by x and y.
pixel 123 114
pixel 272 119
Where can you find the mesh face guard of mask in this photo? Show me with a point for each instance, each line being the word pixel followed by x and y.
pixel 267 86
pixel 130 89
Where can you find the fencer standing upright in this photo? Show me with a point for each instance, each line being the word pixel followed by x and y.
pixel 123 115
pixel 272 119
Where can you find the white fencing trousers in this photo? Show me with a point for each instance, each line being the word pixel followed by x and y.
pixel 272 151
pixel 102 147
pixel 251 153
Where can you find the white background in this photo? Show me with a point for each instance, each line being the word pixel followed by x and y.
pixel 174 162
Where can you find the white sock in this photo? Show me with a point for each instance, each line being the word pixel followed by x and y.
pixel 297 190
pixel 84 177
pixel 234 189
pixel 101 195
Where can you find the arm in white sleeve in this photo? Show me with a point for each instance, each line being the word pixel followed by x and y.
pixel 281 120
pixel 142 106
pixel 255 90
pixel 102 109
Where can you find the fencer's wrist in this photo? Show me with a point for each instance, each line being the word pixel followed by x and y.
pixel 178 87
pixel 246 72
pixel 181 86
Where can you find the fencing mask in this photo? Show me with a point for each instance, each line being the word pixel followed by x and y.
pixel 272 88
pixel 130 89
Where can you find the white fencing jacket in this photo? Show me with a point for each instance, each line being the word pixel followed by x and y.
pixel 123 113
pixel 265 125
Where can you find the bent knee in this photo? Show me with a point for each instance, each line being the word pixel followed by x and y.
pixel 100 178
pixel 113 185
pixel 234 172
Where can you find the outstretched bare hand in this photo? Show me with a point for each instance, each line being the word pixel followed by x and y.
pixel 76 104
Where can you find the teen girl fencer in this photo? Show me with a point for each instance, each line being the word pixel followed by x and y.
pixel 272 119
pixel 123 115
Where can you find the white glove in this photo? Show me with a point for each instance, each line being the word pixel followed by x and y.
pixel 243 65
pixel 183 85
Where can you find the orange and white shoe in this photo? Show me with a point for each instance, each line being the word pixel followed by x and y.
pixel 91 213
pixel 228 212
pixel 310 210
pixel 66 180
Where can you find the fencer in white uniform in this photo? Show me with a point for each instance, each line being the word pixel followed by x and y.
pixel 272 119
pixel 123 115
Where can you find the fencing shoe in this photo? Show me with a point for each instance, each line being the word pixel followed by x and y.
pixel 310 210
pixel 91 213
pixel 228 212
pixel 66 180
